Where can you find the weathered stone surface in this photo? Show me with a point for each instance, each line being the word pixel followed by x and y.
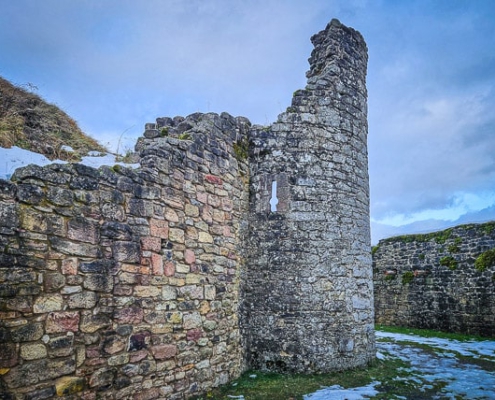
pixel 82 300
pixel 47 303
pixel 430 281
pixel 68 385
pixel 92 323
pixel 65 321
pixel 33 351
pixel 27 333
pixel 126 282
pixel 164 351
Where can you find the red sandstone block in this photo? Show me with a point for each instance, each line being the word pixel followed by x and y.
pixel 69 266
pixel 157 264
pixel 202 197
pixel 62 322
pixel 164 351
pixel 194 334
pixel 189 256
pixel 213 179
pixel 169 269
pixel 151 243
pixel 159 228
pixel 138 356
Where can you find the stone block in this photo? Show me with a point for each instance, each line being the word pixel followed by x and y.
pixel 164 351
pixel 71 248
pixel 205 237
pixel 53 281
pixel 69 266
pixel 68 385
pixel 129 315
pixel 82 300
pixel 8 355
pixel 157 264
pixel 41 394
pixel 27 333
pixel 98 283
pixel 65 321
pixel 33 351
pixel 92 323
pixel 159 228
pixel 176 235
pixel 146 291
pixel 128 252
pixel 189 256
pixel 151 243
pixel 83 230
pixel 192 320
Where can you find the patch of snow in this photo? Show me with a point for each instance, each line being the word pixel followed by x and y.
pixel 15 157
pixel 337 392
pixel 67 148
pixel 460 379
pixel 476 349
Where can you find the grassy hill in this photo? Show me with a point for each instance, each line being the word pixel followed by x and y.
pixel 29 122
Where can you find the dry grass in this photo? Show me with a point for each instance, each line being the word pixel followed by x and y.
pixel 29 122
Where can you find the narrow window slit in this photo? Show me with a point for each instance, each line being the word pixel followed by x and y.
pixel 274 199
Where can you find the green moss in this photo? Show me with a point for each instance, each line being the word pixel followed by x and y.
pixel 117 168
pixel 164 132
pixel 485 260
pixel 453 248
pixel 374 249
pixel 241 149
pixel 184 136
pixel 389 277
pixel 448 261
pixel 422 257
pixel 488 227
pixel 407 277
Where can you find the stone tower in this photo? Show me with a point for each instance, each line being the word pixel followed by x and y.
pixel 308 295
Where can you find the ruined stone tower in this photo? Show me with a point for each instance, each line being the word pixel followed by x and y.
pixel 308 296
pixel 232 246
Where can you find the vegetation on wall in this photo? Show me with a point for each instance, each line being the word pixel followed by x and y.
pixel 448 261
pixel 485 260
pixel 407 277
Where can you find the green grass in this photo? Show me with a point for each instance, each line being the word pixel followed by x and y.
pixel 427 333
pixel 283 387
pixel 394 376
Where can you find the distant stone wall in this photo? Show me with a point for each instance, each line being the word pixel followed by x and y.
pixel 120 283
pixel 434 281
pixel 308 296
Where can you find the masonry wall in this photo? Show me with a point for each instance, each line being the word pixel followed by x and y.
pixel 231 247
pixel 308 296
pixel 431 281
pixel 124 284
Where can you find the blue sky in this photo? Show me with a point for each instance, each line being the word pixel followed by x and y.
pixel 115 65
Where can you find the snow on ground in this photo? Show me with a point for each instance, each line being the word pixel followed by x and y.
pixel 428 369
pixel 15 157
pixel 337 392
pixel 461 378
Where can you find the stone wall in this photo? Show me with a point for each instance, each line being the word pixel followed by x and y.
pixel 119 283
pixel 308 295
pixel 232 246
pixel 434 281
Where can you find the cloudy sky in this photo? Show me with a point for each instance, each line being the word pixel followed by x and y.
pixel 114 65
